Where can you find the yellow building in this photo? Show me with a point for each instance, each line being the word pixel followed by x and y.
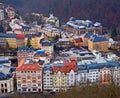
pixel 59 79
pixel 34 40
pixel 11 40
pixel 86 37
pixel 98 43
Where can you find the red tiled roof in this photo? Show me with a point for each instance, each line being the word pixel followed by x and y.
pixel 22 66
pixel 78 40
pixel 20 36
pixel 68 66
pixel 29 67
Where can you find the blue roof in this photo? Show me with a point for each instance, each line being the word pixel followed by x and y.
pixel 88 35
pixel 40 51
pixel 47 67
pixel 96 38
pixel 4 76
pixel 108 64
pixel 27 49
pixel 3 35
pixel 11 35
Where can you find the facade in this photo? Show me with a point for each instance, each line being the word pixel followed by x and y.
pixel 59 79
pixel 98 43
pixel 29 77
pixel 105 76
pixel 20 40
pixel 71 73
pixel 47 78
pixel 116 75
pixel 82 74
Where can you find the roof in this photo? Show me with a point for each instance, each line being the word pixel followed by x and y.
pixel 97 38
pixel 29 67
pixel 20 36
pixel 88 35
pixel 68 66
pixel 4 76
pixel 11 35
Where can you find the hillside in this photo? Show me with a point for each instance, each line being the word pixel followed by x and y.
pixel 105 11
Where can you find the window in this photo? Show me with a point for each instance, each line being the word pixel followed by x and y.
pixel 1 85
pixel 34 89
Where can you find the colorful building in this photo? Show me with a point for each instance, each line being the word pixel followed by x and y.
pixel 29 77
pixel 59 78
pixel 96 42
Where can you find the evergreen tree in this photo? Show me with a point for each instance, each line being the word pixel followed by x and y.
pixel 114 33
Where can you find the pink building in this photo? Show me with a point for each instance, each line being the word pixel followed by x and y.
pixel 29 77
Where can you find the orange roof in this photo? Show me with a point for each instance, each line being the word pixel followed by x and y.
pixel 29 67
pixel 68 66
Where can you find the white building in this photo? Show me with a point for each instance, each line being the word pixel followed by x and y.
pixel 47 78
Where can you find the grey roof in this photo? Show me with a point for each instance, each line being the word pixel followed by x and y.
pixel 88 35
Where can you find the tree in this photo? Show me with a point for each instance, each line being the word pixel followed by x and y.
pixel 114 33
pixel 28 43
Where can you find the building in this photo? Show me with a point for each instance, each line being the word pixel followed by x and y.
pixel 79 27
pixel 6 83
pixel 86 37
pixel 20 40
pixel 29 77
pixel 78 42
pixel 11 40
pixel 82 74
pixel 48 47
pixel 25 52
pixel 1 14
pixel 97 42
pixel 59 78
pixel 71 73
pixel 47 78
pixel 105 76
pixel 34 40
pixel 6 76
pixel 93 73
